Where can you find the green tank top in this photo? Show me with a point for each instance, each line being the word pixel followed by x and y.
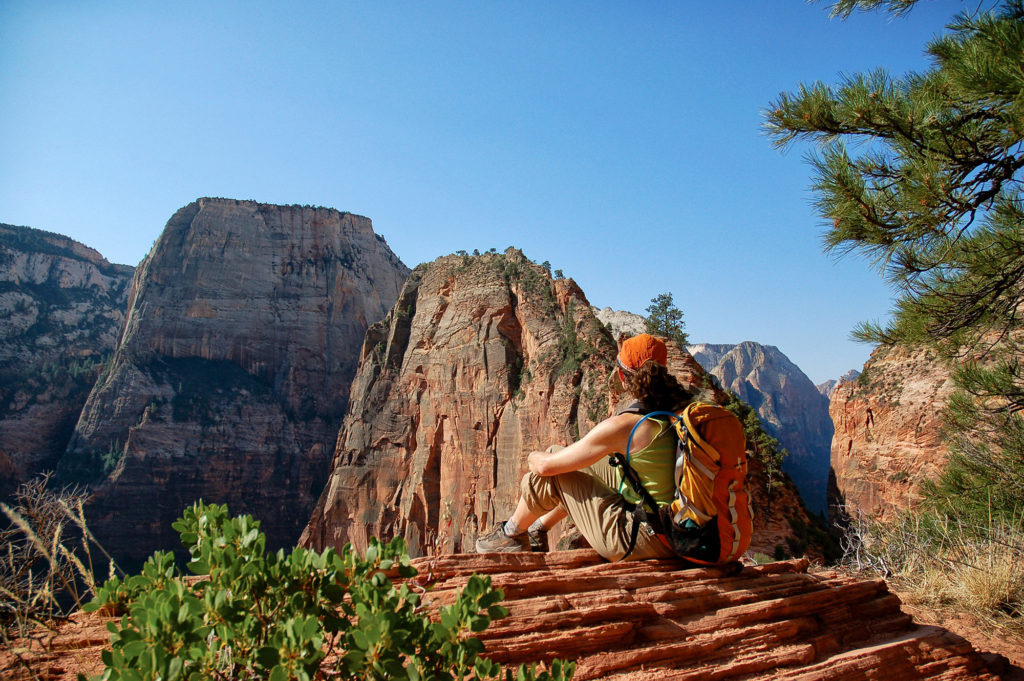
pixel 656 465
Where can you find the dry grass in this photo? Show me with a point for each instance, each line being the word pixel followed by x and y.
pixel 940 562
pixel 46 564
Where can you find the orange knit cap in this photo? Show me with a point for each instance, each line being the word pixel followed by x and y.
pixel 638 349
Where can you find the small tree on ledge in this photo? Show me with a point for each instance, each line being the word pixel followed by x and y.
pixel 665 319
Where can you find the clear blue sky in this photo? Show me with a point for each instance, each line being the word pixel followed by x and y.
pixel 621 141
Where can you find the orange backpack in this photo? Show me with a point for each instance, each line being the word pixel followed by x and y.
pixel 710 521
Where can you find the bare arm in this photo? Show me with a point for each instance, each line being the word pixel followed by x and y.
pixel 606 438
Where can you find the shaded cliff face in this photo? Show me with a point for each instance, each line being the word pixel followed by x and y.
pixel 481 361
pixel 888 435
pixel 242 336
pixel 789 405
pixel 61 310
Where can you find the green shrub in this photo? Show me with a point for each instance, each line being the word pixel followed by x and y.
pixel 304 615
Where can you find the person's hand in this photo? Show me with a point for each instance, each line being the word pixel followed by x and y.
pixel 534 462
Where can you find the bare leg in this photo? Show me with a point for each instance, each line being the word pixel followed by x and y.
pixel 523 517
pixel 553 516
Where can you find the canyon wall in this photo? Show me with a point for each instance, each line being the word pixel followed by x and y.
pixel 888 432
pixel 230 380
pixel 482 360
pixel 61 310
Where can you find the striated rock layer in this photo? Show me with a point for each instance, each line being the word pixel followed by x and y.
pixel 655 620
pixel 888 435
pixel 790 407
pixel 482 360
pixel 242 336
pixel 645 621
pixel 61 310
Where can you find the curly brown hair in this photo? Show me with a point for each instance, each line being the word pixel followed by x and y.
pixel 656 388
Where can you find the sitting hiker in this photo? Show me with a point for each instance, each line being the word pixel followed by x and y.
pixel 579 481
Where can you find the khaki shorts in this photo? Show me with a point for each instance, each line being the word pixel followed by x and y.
pixel 601 514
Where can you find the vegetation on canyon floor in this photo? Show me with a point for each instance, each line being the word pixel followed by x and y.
pixel 931 194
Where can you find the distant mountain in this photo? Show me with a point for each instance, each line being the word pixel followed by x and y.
pixel 61 311
pixel 790 406
pixel 621 322
pixel 709 354
pixel 829 386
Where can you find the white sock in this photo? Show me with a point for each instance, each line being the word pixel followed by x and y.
pixel 538 526
pixel 511 528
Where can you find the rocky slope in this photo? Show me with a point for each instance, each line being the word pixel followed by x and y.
pixel 647 620
pixel 61 310
pixel 789 405
pixel 242 336
pixel 482 360
pixel 888 431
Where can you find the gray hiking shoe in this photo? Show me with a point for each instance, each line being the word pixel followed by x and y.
pixel 496 541
pixel 539 540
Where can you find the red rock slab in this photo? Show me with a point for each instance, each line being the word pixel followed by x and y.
pixel 658 620
pixel 73 647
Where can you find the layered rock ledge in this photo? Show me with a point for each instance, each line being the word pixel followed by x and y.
pixel 656 620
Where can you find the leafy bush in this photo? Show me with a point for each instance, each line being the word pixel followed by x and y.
pixel 304 615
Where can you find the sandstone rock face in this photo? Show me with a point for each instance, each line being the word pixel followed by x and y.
pixel 481 361
pixel 61 310
pixel 789 405
pixel 888 431
pixel 242 336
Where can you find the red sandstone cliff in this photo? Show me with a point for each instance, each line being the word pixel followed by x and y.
pixel 888 429
pixel 482 360
pixel 242 336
